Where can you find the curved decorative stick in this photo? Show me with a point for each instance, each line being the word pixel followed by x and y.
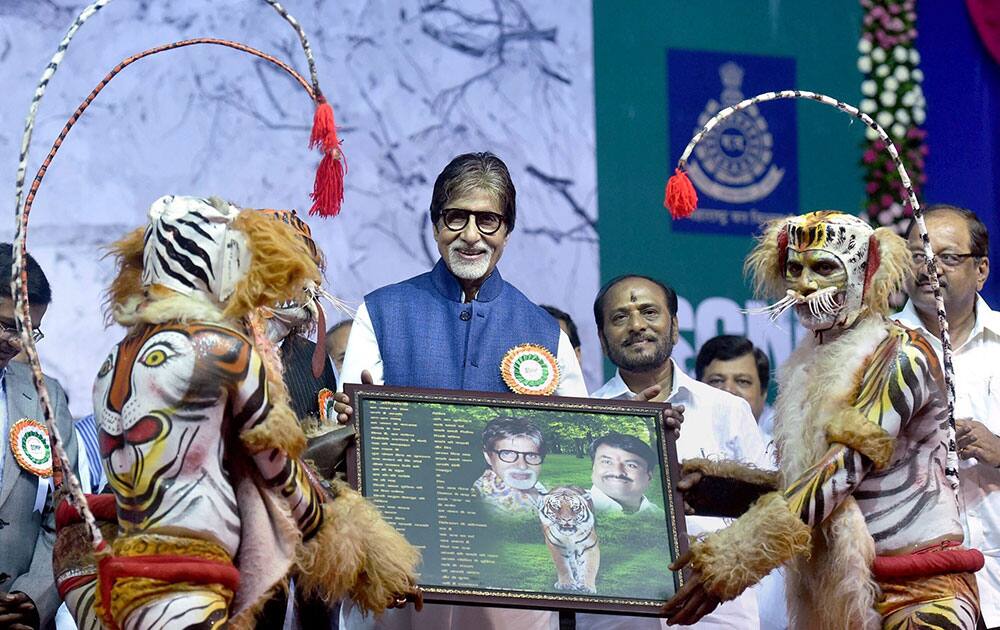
pixel 306 48
pixel 681 199
pixel 19 285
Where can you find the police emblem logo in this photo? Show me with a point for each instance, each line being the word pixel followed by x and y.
pixel 29 442
pixel 734 162
pixel 530 369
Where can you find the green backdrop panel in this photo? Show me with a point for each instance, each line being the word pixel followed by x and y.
pixel 631 40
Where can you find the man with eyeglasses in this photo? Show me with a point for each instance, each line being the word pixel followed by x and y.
pixel 961 245
pixel 514 450
pixel 449 328
pixel 28 596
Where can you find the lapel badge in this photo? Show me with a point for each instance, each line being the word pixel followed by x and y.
pixel 29 441
pixel 530 369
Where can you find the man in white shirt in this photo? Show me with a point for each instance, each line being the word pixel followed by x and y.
pixel 961 246
pixel 636 319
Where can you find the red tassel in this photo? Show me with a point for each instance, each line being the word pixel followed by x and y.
pixel 324 130
pixel 328 187
pixel 680 197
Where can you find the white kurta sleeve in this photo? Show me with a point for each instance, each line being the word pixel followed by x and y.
pixel 748 442
pixel 362 351
pixel 571 376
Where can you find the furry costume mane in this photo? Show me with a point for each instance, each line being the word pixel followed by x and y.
pixel 280 265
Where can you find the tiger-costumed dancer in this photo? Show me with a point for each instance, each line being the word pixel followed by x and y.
pixel 569 528
pixel 214 508
pixel 863 513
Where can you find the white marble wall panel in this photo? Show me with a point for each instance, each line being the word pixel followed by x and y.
pixel 413 83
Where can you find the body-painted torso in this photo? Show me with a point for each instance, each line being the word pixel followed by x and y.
pixel 893 378
pixel 165 398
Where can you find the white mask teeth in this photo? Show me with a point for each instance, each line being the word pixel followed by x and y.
pixel 823 302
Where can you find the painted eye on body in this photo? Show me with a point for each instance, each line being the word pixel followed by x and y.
pixel 155 356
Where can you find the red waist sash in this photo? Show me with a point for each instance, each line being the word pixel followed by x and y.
pixel 936 560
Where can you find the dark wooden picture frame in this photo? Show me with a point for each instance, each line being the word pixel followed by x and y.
pixel 368 400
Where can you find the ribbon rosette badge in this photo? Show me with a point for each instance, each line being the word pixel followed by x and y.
pixel 29 441
pixel 530 369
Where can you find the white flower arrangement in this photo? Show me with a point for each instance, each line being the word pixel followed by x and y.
pixel 892 96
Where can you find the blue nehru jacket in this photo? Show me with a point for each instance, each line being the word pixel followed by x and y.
pixel 429 338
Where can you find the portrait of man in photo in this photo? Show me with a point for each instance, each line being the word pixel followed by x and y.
pixel 514 450
pixel 623 468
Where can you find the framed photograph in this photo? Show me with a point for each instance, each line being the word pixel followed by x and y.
pixel 525 501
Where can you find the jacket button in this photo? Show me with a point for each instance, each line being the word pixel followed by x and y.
pixel 465 316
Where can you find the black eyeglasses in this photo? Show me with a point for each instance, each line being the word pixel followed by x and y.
pixel 36 333
pixel 511 456
pixel 948 260
pixel 455 219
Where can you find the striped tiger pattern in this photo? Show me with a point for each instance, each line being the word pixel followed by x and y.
pixel 189 246
pixel 882 375
pixel 900 391
pixel 941 602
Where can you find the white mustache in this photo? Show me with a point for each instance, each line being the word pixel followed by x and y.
pixel 482 248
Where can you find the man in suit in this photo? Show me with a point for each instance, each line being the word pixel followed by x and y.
pixel 28 597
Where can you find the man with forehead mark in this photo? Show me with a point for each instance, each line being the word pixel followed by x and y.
pixel 636 319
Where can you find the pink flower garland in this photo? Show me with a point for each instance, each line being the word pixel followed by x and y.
pixel 893 97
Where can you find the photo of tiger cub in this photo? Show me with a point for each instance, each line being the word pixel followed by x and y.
pixel 568 524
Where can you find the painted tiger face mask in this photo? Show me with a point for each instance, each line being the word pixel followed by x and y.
pixel 824 261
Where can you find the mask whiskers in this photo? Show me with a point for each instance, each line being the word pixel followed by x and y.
pixel 821 303
pixel 776 310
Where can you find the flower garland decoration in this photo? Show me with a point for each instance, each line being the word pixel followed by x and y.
pixel 892 95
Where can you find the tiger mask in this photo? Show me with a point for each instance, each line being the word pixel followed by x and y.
pixel 568 524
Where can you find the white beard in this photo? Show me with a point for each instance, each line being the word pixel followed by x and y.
pixel 469 270
pixel 520 484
